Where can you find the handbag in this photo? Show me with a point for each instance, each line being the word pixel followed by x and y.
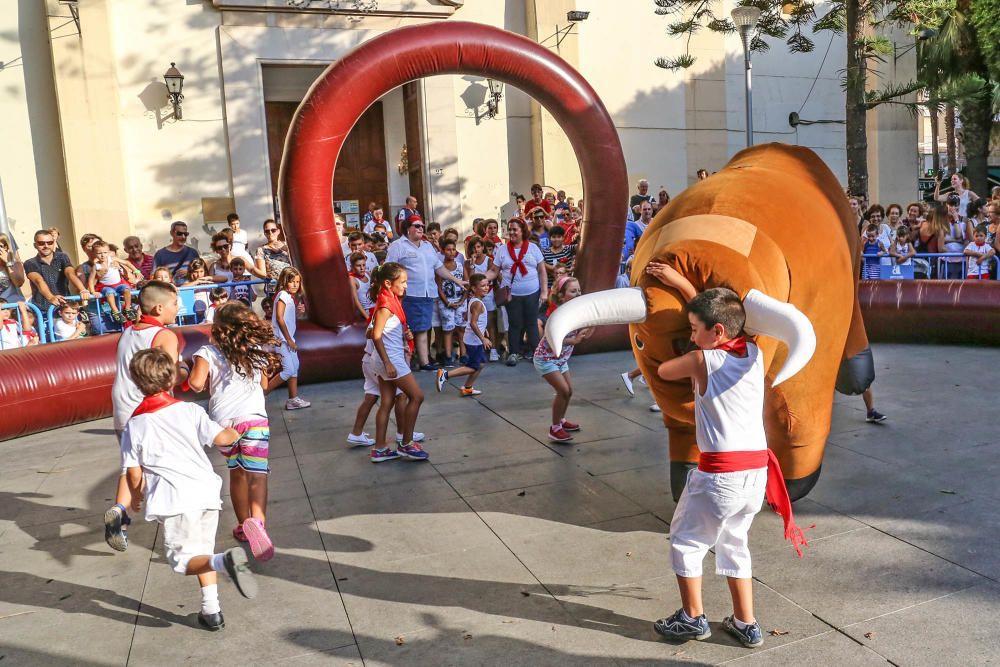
pixel 501 296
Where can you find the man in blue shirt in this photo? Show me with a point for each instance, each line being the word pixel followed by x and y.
pixel 178 255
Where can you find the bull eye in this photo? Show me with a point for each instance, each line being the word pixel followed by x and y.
pixel 639 344
pixel 682 346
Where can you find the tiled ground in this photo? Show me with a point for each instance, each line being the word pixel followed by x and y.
pixel 508 550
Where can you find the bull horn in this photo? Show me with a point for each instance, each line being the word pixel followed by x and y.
pixel 766 316
pixel 624 305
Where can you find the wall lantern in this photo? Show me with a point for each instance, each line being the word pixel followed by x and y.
pixel 175 84
pixel 496 94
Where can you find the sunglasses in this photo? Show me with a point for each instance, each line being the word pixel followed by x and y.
pixel 45 242
pixel 271 231
pixel 184 234
pixel 417 226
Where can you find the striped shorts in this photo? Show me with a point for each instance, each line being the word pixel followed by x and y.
pixel 250 451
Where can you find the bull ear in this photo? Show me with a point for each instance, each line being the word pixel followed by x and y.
pixel 625 305
pixel 766 316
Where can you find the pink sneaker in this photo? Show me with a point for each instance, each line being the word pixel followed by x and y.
pixel 260 544
pixel 238 533
pixel 570 426
pixel 559 434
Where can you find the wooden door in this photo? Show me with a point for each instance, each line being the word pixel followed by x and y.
pixel 415 145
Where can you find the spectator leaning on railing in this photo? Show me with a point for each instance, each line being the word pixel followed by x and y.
pixel 178 255
pixel 11 275
pixel 51 273
pixel 139 259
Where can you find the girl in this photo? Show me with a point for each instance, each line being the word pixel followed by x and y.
pixel 555 369
pixel 480 262
pixel 362 285
pixel 196 276
pixel 109 278
pixel 901 249
pixel 163 274
pixel 234 366
pixel 387 355
pixel 475 338
pixel 286 308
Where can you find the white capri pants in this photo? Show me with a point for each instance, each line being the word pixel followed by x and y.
pixel 716 510
pixel 188 535
pixel 371 379
pixel 289 362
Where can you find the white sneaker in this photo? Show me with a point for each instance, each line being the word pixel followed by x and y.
pixel 417 437
pixel 296 403
pixel 628 384
pixel 654 408
pixel 493 355
pixel 362 440
pixel 642 380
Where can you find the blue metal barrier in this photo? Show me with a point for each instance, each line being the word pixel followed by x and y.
pixel 39 320
pixel 941 257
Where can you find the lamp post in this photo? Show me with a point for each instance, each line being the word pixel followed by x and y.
pixel 745 19
pixel 175 84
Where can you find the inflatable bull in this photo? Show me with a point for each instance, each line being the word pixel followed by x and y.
pixel 775 227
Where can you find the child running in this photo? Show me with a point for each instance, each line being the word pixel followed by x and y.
pixel 235 367
pixel 163 451
pixel 159 306
pixel 388 354
pixel 476 339
pixel 286 310
pixel 726 491
pixel 555 369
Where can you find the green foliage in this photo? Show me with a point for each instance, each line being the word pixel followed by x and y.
pixel 984 16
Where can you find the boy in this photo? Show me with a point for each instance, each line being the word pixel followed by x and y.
pixel 980 255
pixel 110 278
pixel 217 297
pixel 558 254
pixel 356 243
pixel 727 489
pixel 69 326
pixel 240 239
pixel 242 293
pixel 159 305
pixel 476 341
pixel 451 299
pixel 163 451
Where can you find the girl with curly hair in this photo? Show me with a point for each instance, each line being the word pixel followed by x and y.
pixel 235 367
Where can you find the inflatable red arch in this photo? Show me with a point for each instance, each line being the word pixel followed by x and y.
pixel 50 386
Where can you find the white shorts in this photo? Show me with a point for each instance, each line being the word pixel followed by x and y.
pixel 371 379
pixel 376 369
pixel 503 325
pixel 188 535
pixel 716 510
pixel 448 318
pixel 289 362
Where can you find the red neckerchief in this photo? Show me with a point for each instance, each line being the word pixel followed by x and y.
pixel 776 492
pixel 736 346
pixel 388 300
pixel 518 263
pixel 548 309
pixel 154 403
pixel 144 319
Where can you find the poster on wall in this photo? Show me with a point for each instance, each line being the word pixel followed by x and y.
pixel 348 209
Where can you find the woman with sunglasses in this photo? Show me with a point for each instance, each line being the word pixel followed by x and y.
pixel 222 245
pixel 12 276
pixel 272 257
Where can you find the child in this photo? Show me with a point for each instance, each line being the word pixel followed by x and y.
pixel 69 326
pixel 286 308
pixel 476 340
pixel 218 297
pixel 555 369
pixel 109 278
pixel 235 367
pixel 558 254
pixel 10 331
pixel 197 275
pixel 163 274
pixel 362 285
pixel 240 238
pixel 242 293
pixel 163 450
pixel 267 305
pixel 872 251
pixel 902 250
pixel 451 300
pixel 356 243
pixel 29 333
pixel 159 305
pixel 979 253
pixel 724 493
pixel 387 356
pixel 479 261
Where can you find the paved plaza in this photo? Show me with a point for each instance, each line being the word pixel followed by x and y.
pixel 509 550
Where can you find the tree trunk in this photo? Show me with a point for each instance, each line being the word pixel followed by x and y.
pixel 935 153
pixel 856 112
pixel 949 129
pixel 977 122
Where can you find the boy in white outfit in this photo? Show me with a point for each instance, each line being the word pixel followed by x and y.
pixel 726 491
pixel 163 451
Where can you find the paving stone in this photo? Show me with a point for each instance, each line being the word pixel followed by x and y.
pixel 488 474
pixel 818 650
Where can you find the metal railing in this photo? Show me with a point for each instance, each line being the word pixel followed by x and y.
pixel 16 308
pixel 944 260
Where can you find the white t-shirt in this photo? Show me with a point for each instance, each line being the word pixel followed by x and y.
pixel 520 285
pixel 210 313
pixel 730 415
pixel 10 337
pixel 420 263
pixel 232 395
pixel 290 315
pixel 112 274
pixel 63 330
pixel 240 242
pixel 125 395
pixel 169 445
pixel 975 268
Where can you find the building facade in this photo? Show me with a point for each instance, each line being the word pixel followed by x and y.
pixel 92 143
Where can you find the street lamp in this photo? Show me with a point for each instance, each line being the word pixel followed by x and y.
pixel 175 84
pixel 745 19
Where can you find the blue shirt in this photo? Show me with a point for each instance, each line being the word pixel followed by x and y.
pixel 633 230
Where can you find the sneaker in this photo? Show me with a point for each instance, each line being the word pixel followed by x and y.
pixel 363 440
pixel 875 417
pixel 115 521
pixel 238 533
pixel 681 627
pixel 413 452
pixel 512 360
pixel 751 636
pixel 450 362
pixel 132 312
pixel 117 318
pixel 642 380
pixel 494 355
pixel 84 317
pixel 628 384
pixel 417 437
pixel 211 622
pixel 468 391
pixel 429 367
pixel 239 571
pixel 441 379
pixel 297 403
pixel 570 426
pixel 260 542
pixel 655 408
pixel 559 434
pixel 384 454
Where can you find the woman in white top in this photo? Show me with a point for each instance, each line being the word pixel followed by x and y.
pixel 521 267
pixel 222 244
pixel 960 185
